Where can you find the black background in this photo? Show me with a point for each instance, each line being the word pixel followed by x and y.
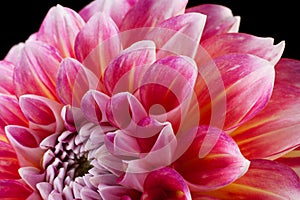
pixel 278 20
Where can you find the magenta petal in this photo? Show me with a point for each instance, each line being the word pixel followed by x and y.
pixel 6 78
pixel 219 19
pixel 125 71
pixel 165 183
pixel 98 43
pixel 9 164
pixel 292 159
pixel 59 29
pixel 73 81
pixel 14 189
pixel 10 112
pixel 37 66
pixel 25 144
pixel 116 9
pixel 212 161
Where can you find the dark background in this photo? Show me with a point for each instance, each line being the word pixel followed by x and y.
pixel 278 20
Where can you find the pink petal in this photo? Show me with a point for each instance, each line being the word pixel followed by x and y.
pixel 9 164
pixel 14 189
pixel 32 176
pixel 292 159
pixel 179 35
pixel 98 43
pixel 118 192
pixel 247 83
pixel 6 78
pixel 43 114
pixel 243 43
pixel 93 105
pixel 73 118
pixel 273 132
pixel 220 166
pixel 148 13
pixel 165 183
pixel 264 180
pixel 10 112
pixel 37 66
pixel 25 144
pixel 73 81
pixel 125 71
pixel 59 29
pixel 116 9
pixel 219 19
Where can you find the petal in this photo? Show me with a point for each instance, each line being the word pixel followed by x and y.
pixel 243 43
pixel 10 112
pixel 264 180
pixel 93 106
pixel 148 13
pixel 273 132
pixel 212 161
pixel 14 189
pixel 32 176
pixel 37 67
pixel 179 35
pixel 6 78
pixel 73 118
pixel 292 159
pixel 73 81
pixel 118 192
pixel 42 113
pixel 219 19
pixel 59 29
pixel 116 9
pixel 125 71
pixel 165 183
pixel 98 43
pixel 25 144
pixel 247 86
pixel 9 164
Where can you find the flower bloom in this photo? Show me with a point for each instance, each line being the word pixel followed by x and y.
pixel 130 99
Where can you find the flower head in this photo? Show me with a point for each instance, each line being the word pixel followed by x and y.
pixel 134 100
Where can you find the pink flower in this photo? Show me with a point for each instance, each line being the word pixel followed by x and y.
pixel 134 100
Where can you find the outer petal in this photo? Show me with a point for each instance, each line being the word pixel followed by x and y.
pixel 60 28
pixel 37 67
pixel 222 165
pixel 10 112
pixel 243 43
pixel 116 9
pixel 165 183
pixel 6 78
pixel 248 83
pixel 292 159
pixel 9 164
pixel 125 71
pixel 148 13
pixel 98 43
pixel 264 180
pixel 274 131
pixel 14 189
pixel 73 81
pixel 219 19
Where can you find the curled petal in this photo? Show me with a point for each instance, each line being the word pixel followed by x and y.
pixel 98 43
pixel 10 112
pixel 14 189
pixel 273 132
pixel 73 81
pixel 37 66
pixel 59 29
pixel 165 183
pixel 25 144
pixel 264 180
pixel 9 164
pixel 32 176
pixel 219 19
pixel 212 161
pixel 243 43
pixel 248 82
pixel 42 113
pixel 6 77
pixel 150 12
pixel 73 118
pixel 125 71
pixel 116 9
pixel 93 105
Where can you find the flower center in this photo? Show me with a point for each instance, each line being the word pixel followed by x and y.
pixel 83 165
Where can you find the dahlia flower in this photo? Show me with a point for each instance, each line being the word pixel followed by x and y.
pixel 130 99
